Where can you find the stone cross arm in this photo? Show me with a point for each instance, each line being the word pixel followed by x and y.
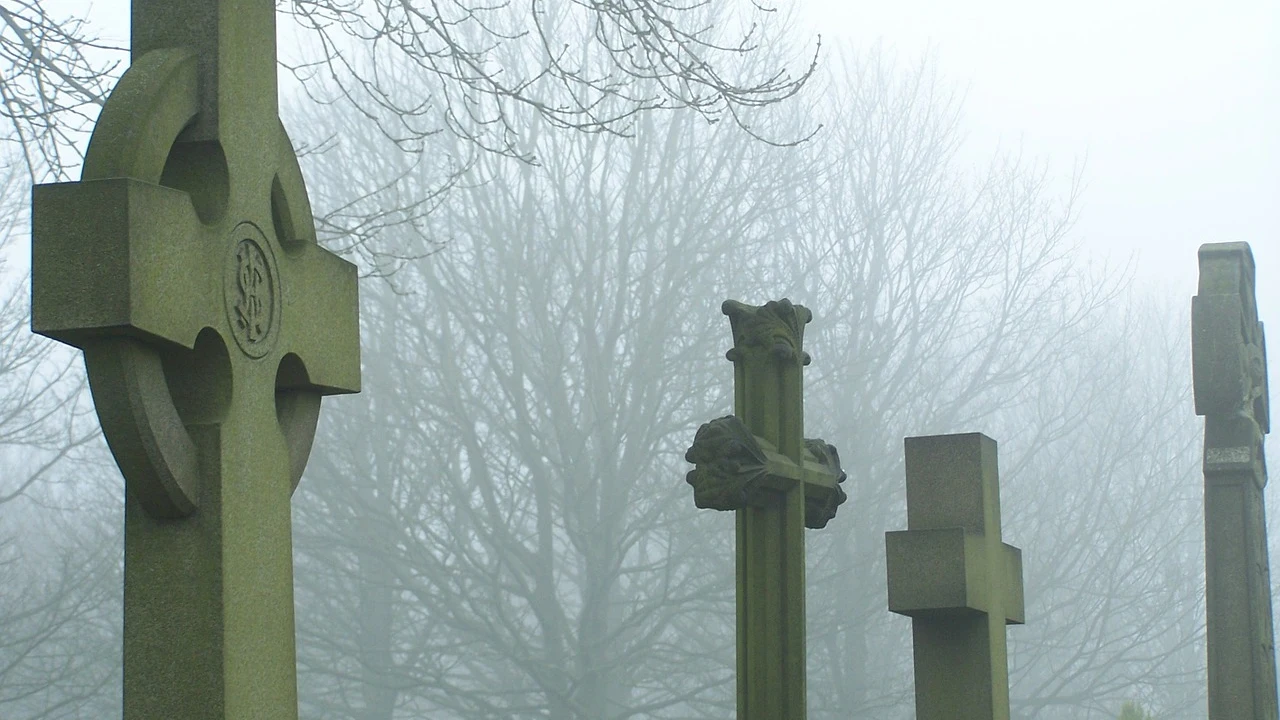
pixel 949 570
pixel 734 469
pixel 951 558
pixel 191 224
pixel 132 258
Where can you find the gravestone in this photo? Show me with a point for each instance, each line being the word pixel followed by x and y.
pixel 185 265
pixel 1229 360
pixel 954 577
pixel 758 463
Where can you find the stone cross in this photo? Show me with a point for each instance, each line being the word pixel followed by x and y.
pixel 1229 360
pixel 758 463
pixel 185 265
pixel 950 572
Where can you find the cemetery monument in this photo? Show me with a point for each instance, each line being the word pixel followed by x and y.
pixel 1229 359
pixel 184 264
pixel 954 576
pixel 758 463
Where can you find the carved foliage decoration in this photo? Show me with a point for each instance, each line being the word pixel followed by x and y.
pixel 732 469
pixel 776 327
pixel 729 466
pixel 821 501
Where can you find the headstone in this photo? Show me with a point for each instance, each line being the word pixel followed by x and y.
pixel 1229 360
pixel 951 573
pixel 758 463
pixel 185 265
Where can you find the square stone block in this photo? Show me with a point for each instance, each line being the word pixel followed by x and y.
pixel 105 252
pixel 946 572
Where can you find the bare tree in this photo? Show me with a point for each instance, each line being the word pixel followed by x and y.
pixel 540 384
pixel 500 531
pixel 485 64
pixel 60 611
pixel 57 599
pixel 494 65
pixel 946 294
pixel 59 553
pixel 51 86
pixel 952 300
pixel 1115 578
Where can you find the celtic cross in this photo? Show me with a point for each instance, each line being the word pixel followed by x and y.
pixel 1229 366
pixel 185 265
pixel 758 463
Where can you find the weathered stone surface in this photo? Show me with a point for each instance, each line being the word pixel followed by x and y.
pixel 951 573
pixel 734 469
pixel 730 467
pixel 822 499
pixel 758 464
pixel 1230 371
pixel 185 265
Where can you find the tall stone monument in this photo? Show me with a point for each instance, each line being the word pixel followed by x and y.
pixel 1229 359
pixel 185 265
pixel 956 579
pixel 758 463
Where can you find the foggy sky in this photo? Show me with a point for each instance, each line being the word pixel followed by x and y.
pixel 1173 107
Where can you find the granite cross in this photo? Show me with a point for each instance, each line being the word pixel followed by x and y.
pixel 1229 361
pixel 951 573
pixel 758 463
pixel 185 265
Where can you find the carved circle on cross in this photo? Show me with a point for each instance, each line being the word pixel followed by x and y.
pixel 250 287
pixel 137 136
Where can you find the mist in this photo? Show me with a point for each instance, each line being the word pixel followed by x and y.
pixel 546 209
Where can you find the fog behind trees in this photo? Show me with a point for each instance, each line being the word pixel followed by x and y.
pixel 498 527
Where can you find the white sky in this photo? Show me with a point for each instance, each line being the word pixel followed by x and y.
pixel 1175 105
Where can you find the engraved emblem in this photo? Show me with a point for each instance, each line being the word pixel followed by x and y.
pixel 251 290
pixel 253 306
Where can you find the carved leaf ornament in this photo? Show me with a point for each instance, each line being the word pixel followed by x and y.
pixel 734 469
